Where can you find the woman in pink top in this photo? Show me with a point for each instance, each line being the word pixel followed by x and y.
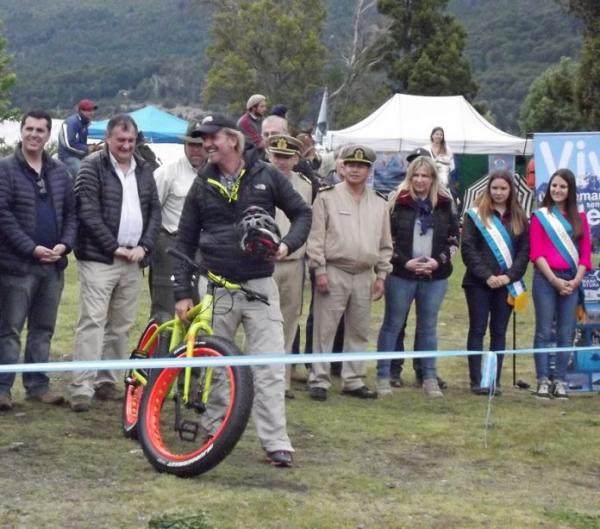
pixel 557 277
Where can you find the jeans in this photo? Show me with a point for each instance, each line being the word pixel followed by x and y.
pixel 399 295
pixel 397 364
pixel 485 304
pixel 551 307
pixel 33 297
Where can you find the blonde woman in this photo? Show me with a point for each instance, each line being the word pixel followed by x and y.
pixel 425 237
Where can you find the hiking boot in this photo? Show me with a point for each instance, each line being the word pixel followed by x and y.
pixel 280 458
pixel 317 394
pixel 543 390
pixel 5 402
pixel 384 387
pixel 108 392
pixel 80 403
pixel 362 393
pixel 559 390
pixel 432 389
pixel 48 397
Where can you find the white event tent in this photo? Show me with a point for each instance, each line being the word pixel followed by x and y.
pixel 404 122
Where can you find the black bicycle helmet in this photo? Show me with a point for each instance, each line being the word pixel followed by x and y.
pixel 259 234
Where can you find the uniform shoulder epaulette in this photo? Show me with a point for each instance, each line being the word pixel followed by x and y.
pixel 381 195
pixel 326 188
pixel 303 177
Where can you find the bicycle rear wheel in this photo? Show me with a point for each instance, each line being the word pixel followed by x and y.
pixel 188 439
pixel 134 389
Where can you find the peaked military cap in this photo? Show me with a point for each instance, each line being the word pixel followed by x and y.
pixel 283 144
pixel 357 154
pixel 416 153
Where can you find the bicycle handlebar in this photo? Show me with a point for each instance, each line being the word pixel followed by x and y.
pixel 251 295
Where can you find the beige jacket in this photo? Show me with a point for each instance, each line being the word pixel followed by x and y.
pixel 304 188
pixel 349 234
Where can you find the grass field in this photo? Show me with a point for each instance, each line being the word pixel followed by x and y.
pixel 399 462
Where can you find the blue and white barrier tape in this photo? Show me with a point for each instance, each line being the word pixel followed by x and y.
pixel 256 360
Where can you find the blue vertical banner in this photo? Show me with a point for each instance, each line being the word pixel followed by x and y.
pixel 579 152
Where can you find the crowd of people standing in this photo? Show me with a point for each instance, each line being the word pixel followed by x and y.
pixel 118 215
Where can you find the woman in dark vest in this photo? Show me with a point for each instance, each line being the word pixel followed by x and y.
pixel 495 251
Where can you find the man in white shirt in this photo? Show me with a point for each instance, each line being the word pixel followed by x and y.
pixel 173 182
pixel 119 218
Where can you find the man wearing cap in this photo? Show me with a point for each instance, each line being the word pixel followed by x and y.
pixel 289 273
pixel 173 182
pixel 119 218
pixel 279 110
pixel 73 135
pixel 250 122
pixel 230 183
pixel 350 240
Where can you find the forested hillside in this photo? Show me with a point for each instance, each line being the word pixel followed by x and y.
pixel 111 50
pixel 509 43
pixel 125 52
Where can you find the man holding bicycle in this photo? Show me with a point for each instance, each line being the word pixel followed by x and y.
pixel 230 183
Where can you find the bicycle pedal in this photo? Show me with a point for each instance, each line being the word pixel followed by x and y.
pixel 188 431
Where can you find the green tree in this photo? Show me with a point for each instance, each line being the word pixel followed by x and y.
pixel 356 86
pixel 587 88
pixel 7 80
pixel 550 103
pixel 423 50
pixel 271 47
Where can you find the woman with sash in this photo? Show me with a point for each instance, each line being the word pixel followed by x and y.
pixel 425 237
pixel 561 252
pixel 495 251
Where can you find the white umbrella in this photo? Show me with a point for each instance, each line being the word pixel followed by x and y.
pixel 525 194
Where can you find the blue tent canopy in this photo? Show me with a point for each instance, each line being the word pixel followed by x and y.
pixel 157 125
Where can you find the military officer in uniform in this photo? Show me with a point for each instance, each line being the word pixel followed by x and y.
pixel 349 248
pixel 284 153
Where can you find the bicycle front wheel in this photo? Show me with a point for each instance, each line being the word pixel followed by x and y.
pixel 188 437
pixel 134 389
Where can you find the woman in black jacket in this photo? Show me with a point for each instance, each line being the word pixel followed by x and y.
pixel 495 251
pixel 425 236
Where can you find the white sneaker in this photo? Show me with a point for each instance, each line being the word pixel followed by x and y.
pixel 384 387
pixel 559 391
pixel 543 390
pixel 432 388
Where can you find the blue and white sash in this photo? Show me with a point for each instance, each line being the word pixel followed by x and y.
pixel 500 243
pixel 560 232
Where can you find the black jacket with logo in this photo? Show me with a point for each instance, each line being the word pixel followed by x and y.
pixel 209 222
